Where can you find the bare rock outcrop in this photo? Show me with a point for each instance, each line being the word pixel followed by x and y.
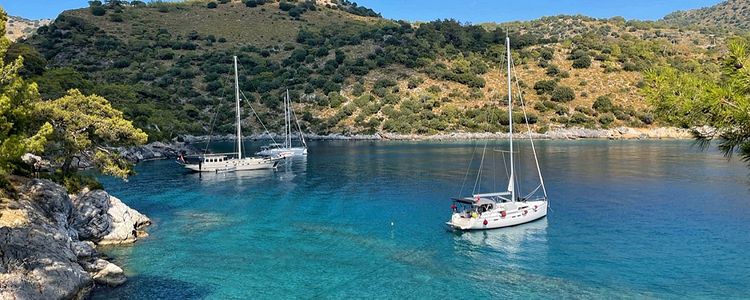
pixel 47 240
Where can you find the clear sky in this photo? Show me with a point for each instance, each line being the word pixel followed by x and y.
pixel 472 11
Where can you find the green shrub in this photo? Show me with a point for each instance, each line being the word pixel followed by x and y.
pixel 545 86
pixel 579 118
pixel 582 62
pixel 296 12
pixel 335 99
pixel 621 115
pixel 286 6
pixel 391 99
pixel 98 11
pixel 540 107
pixel 414 82
pixel 380 92
pixel 585 110
pixel 647 118
pixel 358 89
pixel 116 18
pixel 603 104
pixel 212 5
pixel 385 82
pixel 552 70
pixel 546 53
pixel 606 119
pixel 563 94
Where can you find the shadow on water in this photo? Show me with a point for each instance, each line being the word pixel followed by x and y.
pixel 153 287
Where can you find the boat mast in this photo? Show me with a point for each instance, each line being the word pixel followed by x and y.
pixel 287 122
pixel 239 117
pixel 511 182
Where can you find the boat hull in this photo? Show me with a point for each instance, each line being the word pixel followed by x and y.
pixel 284 152
pixel 245 164
pixel 525 212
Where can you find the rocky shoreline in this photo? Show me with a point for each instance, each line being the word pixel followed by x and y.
pixel 48 240
pixel 620 133
pixel 185 144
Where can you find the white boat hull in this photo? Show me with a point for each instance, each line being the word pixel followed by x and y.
pixel 525 212
pixel 284 152
pixel 232 165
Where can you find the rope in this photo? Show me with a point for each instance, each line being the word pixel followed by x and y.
pixel 528 127
pixel 253 110
pixel 468 169
pixel 479 173
pixel 211 131
pixel 257 116
pixel 301 137
pixel 213 121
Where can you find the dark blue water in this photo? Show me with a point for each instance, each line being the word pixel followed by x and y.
pixel 629 219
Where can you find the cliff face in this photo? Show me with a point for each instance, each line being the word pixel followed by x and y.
pixel 48 240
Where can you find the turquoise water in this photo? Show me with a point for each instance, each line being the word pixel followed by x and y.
pixel 629 219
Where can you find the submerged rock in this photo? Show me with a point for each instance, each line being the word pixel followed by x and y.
pixel 47 248
pixel 108 273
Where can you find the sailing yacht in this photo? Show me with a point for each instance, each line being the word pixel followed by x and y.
pixel 503 208
pixel 230 162
pixel 286 149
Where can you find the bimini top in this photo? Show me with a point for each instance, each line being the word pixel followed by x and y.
pixel 473 201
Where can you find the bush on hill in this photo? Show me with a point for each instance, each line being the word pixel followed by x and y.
pixel 563 94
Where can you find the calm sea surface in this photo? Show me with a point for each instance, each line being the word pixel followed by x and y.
pixel 629 219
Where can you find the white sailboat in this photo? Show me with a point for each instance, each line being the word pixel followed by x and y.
pixel 230 162
pixel 286 149
pixel 504 208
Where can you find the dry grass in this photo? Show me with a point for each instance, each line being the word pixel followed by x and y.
pixel 262 26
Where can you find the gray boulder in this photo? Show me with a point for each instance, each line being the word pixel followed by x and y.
pixel 41 256
pixel 91 220
pixel 38 261
pixel 104 219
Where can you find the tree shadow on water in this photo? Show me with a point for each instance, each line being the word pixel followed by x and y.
pixel 152 287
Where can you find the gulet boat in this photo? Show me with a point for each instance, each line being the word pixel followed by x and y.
pixel 230 162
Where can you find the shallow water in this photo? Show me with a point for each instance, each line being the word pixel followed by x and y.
pixel 629 219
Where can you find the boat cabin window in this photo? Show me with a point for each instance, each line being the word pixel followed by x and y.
pixel 485 207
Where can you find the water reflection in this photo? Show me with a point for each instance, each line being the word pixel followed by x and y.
pixel 509 241
pixel 211 178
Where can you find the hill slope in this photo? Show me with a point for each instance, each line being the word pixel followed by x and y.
pixel 168 66
pixel 19 28
pixel 729 15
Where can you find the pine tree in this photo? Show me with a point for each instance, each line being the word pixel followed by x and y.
pixel 17 100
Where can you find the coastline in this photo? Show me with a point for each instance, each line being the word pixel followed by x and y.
pixel 620 133
pixel 48 240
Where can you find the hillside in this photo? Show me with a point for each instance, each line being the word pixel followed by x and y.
pixel 167 66
pixel 19 28
pixel 730 15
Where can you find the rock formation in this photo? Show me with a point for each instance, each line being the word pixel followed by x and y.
pixel 48 240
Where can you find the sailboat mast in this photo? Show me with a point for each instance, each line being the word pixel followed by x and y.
pixel 287 123
pixel 239 113
pixel 511 183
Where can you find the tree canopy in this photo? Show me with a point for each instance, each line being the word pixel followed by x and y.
pixel 86 126
pixel 17 99
pixel 691 99
pixel 63 129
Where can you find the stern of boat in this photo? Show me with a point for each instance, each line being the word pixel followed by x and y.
pixel 459 222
